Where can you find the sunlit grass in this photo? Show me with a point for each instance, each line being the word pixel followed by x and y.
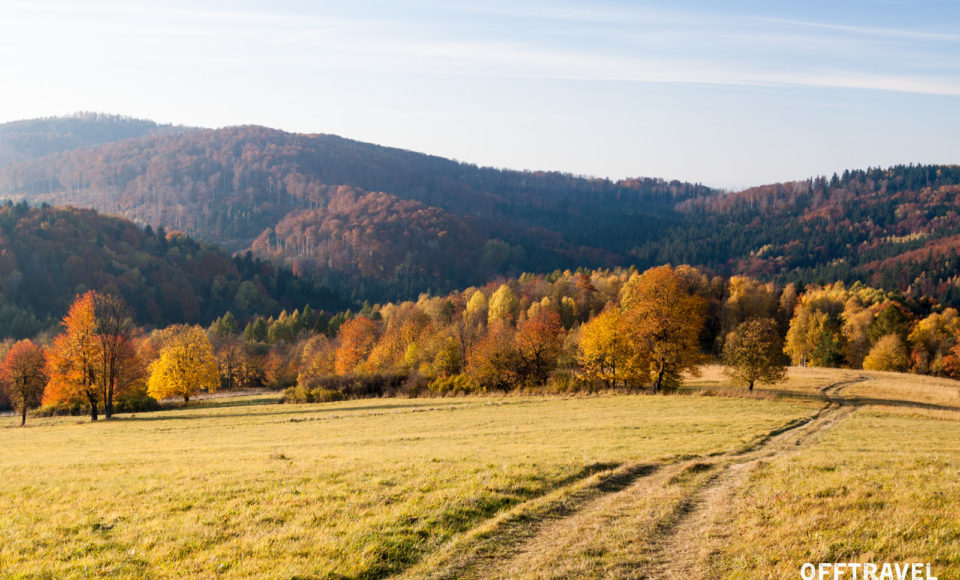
pixel 902 388
pixel 358 488
pixel 879 487
pixel 800 380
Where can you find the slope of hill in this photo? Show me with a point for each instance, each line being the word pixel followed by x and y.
pixel 896 228
pixel 230 186
pixel 49 255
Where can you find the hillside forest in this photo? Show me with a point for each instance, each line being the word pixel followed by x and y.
pixel 385 224
pixel 50 255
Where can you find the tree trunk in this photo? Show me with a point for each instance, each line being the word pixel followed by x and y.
pixel 659 381
pixel 108 398
pixel 186 399
pixel 751 385
pixel 93 407
pixel 23 416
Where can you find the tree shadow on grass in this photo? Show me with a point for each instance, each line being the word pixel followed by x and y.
pixel 280 410
pixel 842 399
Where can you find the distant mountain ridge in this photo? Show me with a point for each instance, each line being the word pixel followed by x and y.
pixel 33 138
pixel 383 223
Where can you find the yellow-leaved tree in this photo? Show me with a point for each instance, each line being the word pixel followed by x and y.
pixel 186 365
pixel 664 320
pixel 889 354
pixel 503 305
pixel 932 338
pixel 603 349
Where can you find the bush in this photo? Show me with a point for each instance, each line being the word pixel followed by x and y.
pixel 562 382
pixel 61 409
pixel 303 394
pixel 454 385
pixel 135 403
pixel 130 403
pixel 315 389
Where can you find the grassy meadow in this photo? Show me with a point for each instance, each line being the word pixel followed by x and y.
pixel 879 487
pixel 485 486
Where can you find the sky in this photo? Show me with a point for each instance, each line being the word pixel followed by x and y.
pixel 729 94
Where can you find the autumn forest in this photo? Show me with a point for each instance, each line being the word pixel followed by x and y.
pixel 360 271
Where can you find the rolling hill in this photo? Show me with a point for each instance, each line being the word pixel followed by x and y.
pixel 33 138
pixel 381 223
pixel 233 186
pixel 48 255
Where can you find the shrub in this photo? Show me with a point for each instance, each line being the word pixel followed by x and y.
pixel 314 389
pixel 454 385
pixel 136 403
pixel 128 403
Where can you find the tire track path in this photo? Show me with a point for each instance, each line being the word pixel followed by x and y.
pixel 537 538
pixel 685 544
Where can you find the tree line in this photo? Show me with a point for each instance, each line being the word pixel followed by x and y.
pixel 567 331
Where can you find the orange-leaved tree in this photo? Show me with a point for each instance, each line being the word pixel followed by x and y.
pixel 492 361
pixel 72 358
pixel 664 320
pixel 94 359
pixel 539 339
pixel 23 376
pixel 357 339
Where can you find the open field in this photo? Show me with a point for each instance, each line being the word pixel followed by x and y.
pixel 851 465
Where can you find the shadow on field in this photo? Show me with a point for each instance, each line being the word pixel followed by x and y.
pixel 855 400
pixel 897 403
pixel 171 413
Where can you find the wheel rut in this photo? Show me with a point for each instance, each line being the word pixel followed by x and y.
pixel 673 514
pixel 685 543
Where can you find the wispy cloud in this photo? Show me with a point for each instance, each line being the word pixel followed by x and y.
pixel 889 33
pixel 617 43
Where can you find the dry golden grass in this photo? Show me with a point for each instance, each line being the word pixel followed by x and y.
pixel 800 380
pixel 878 487
pixel 596 486
pixel 901 388
pixel 241 488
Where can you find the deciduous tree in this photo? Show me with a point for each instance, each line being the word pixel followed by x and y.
pixel 72 358
pixel 23 376
pixel 932 338
pixel 186 365
pixel 538 341
pixel 504 305
pixel 114 324
pixel 889 354
pixel 754 353
pixel 357 338
pixel 492 361
pixel 603 350
pixel 664 322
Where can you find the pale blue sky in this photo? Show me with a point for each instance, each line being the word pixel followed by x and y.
pixel 726 93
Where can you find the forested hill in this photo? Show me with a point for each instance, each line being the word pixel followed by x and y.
pixel 896 228
pixel 380 223
pixel 48 255
pixel 236 185
pixel 30 139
